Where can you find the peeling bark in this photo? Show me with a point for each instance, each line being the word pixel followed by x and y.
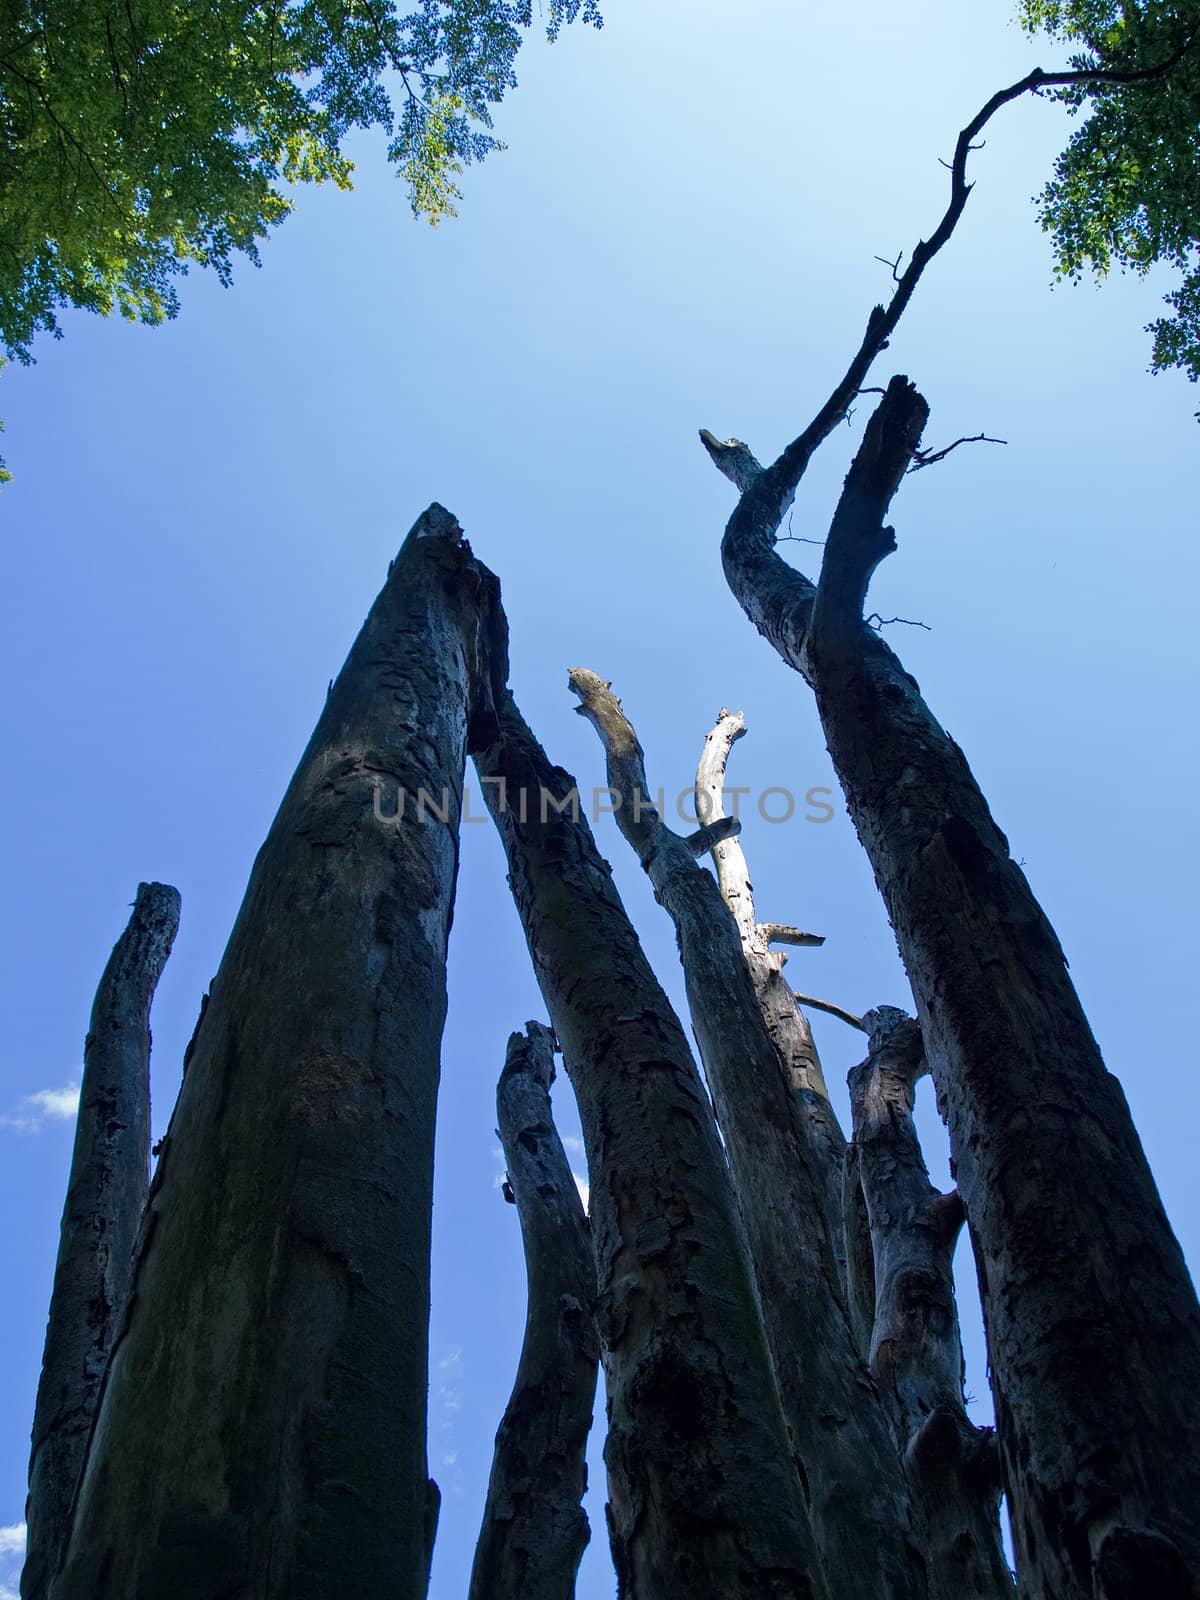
pixel 1093 1326
pixel 110 1176
pixel 534 1529
pixel 916 1352
pixel 705 1500
pixel 782 1015
pixel 262 1429
pixel 783 1183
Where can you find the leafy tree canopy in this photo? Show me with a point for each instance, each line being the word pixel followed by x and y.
pixel 139 136
pixel 1126 189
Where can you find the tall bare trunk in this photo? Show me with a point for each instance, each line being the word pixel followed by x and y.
pixel 916 1351
pixel 262 1429
pixel 705 1499
pixel 851 1466
pixel 534 1529
pixel 1093 1326
pixel 110 1176
pixel 782 1015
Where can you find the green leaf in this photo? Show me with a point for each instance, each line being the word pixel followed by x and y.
pixel 1126 189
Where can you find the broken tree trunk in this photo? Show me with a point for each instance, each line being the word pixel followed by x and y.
pixel 784 1020
pixel 851 1466
pixel 110 1175
pixel 916 1353
pixel 1092 1322
pixel 704 1496
pixel 534 1529
pixel 262 1427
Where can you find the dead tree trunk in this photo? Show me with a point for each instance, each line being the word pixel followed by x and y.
pixel 110 1175
pixel 705 1499
pixel 916 1353
pixel 784 1020
pixel 534 1529
pixel 262 1429
pixel 850 1462
pixel 1093 1326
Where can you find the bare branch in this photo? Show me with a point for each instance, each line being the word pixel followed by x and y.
pixel 834 1011
pixel 735 459
pixel 784 933
pixel 787 1026
pixel 637 819
pixel 876 621
pixel 797 538
pixel 858 540
pixel 926 458
pixel 790 466
pixel 713 833
pixel 733 875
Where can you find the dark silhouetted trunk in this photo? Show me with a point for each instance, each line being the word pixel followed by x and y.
pixel 1092 1322
pixel 110 1175
pixel 262 1427
pixel 705 1498
pixel 916 1353
pixel 851 1466
pixel 534 1529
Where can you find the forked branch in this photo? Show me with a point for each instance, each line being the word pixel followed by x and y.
pixel 789 468
pixel 858 539
pixel 927 458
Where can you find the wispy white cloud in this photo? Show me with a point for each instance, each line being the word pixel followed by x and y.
pixel 585 1193
pixel 12 1551
pixel 448 1409
pixel 449 1395
pixel 451 1402
pixel 574 1145
pixel 57 1102
pixel 41 1107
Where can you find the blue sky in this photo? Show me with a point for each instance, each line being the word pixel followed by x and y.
pixel 681 234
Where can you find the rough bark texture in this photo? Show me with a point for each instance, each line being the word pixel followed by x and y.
pixel 856 1484
pixel 860 1259
pixel 1093 1326
pixel 262 1430
pixel 110 1175
pixel 534 1530
pixel 916 1353
pixel 705 1499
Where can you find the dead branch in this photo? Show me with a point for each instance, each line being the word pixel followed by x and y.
pixel 790 466
pixel 834 1011
pixel 784 933
pixel 876 621
pixel 927 458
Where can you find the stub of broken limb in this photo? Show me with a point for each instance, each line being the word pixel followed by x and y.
pixel 702 841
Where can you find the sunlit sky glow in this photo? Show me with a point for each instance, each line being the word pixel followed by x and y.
pixel 682 233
